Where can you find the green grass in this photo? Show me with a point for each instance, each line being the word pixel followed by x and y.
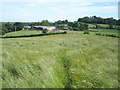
pixel 91 25
pixel 103 25
pixel 26 33
pixel 60 61
pixel 22 33
pixel 105 31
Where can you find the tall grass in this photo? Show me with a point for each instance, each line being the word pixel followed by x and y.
pixel 71 60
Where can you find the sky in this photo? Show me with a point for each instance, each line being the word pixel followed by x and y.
pixel 53 10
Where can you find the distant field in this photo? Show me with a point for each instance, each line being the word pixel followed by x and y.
pixel 22 33
pixel 27 33
pixel 102 25
pixel 105 31
pixel 93 25
pixel 71 60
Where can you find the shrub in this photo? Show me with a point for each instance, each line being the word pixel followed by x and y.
pixel 44 31
pixel 118 36
pixel 65 32
pixel 98 34
pixel 86 32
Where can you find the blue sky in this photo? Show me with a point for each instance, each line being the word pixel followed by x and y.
pixel 33 11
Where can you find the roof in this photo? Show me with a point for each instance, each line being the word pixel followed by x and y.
pixel 27 26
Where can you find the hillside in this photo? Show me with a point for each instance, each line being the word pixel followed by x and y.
pixel 71 60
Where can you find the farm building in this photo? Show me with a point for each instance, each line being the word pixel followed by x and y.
pixel 39 27
pixel 27 27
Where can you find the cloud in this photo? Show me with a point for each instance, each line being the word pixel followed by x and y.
pixel 53 1
pixel 85 4
pixel 56 9
pixel 30 4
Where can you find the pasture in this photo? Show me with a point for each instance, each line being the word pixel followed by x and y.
pixel 105 31
pixel 71 60
pixel 22 33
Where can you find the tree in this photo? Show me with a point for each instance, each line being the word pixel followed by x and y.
pixel 18 26
pixel 6 27
pixel 110 26
pixel 86 31
pixel 44 31
pixel 45 23
pixel 98 20
pixel 96 26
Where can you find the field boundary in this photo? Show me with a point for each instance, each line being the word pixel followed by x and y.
pixel 35 35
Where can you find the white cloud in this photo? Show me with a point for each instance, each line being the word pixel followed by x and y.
pixel 71 10
pixel 84 4
pixel 46 1
pixel 31 4
pixel 82 7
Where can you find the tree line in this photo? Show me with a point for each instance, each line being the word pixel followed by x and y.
pixel 99 20
pixel 79 25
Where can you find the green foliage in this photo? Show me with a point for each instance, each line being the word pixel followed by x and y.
pixel 110 26
pixel 99 20
pixel 77 26
pixel 61 22
pixel 93 22
pixel 65 32
pixel 44 31
pixel 44 23
pixel 86 32
pixel 6 27
pixel 18 26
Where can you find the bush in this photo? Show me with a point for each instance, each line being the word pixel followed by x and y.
pixel 44 31
pixel 98 34
pixel 86 32
pixel 113 35
pixel 64 32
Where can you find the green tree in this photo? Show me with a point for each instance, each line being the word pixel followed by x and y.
pixel 110 26
pixel 45 23
pixel 86 31
pixel 18 26
pixel 44 31
pixel 6 27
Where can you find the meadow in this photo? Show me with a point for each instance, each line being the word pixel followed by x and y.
pixel 92 31
pixel 72 60
pixel 104 31
pixel 28 33
pixel 22 33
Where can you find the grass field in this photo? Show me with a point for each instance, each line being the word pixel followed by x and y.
pixel 105 31
pixel 93 25
pixel 102 25
pixel 27 33
pixel 71 60
pixel 22 33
